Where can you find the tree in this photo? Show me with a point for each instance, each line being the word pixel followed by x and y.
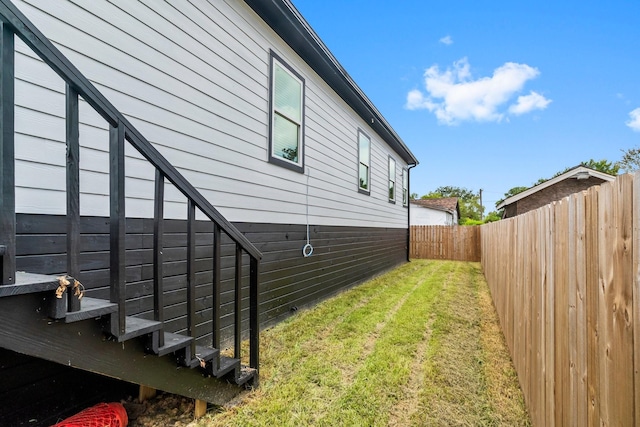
pixel 603 166
pixel 469 201
pixel 630 159
pixel 492 217
pixel 450 191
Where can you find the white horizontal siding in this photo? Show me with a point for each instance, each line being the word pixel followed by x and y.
pixel 425 216
pixel 192 76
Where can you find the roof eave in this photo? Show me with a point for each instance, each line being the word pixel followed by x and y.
pixel 438 208
pixel 289 24
pixel 567 175
pixel 434 208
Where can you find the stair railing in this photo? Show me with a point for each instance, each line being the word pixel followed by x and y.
pixel 13 22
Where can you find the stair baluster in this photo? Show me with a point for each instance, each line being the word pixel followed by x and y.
pixel 215 304
pixel 238 304
pixel 117 227
pixel 7 157
pixel 191 275
pixel 254 318
pixel 158 248
pixel 73 193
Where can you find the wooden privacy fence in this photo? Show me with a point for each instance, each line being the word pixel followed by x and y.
pixel 451 242
pixel 564 280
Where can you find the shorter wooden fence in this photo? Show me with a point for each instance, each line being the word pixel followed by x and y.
pixel 450 242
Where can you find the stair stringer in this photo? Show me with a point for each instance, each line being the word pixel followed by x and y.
pixel 26 328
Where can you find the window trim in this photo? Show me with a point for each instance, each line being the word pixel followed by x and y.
pixel 288 164
pixel 394 180
pixel 361 190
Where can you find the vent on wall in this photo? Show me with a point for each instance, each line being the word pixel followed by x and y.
pixel 582 175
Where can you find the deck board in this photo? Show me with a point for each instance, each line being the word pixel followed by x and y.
pixel 27 283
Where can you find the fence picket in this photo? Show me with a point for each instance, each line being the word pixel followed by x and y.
pixel 550 317
pixel 572 290
pixel 621 306
pixel 592 290
pixel 635 201
pixel 561 316
pixel 581 310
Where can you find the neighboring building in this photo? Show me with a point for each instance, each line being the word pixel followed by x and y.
pixel 244 109
pixel 574 180
pixel 443 211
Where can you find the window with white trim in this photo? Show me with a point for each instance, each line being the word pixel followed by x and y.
pixel 286 99
pixel 392 180
pixel 405 187
pixel 364 162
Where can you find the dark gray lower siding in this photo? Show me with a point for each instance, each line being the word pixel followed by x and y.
pixel 342 257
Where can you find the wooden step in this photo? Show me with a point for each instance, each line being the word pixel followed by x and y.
pixel 91 309
pixel 172 342
pixel 203 354
pixel 28 283
pixel 227 364
pixel 134 327
pixel 245 375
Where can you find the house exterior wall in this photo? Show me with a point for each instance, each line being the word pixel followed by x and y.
pixel 550 194
pixel 193 77
pixel 424 216
pixel 510 210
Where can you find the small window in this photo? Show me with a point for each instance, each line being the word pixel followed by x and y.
pixel 392 180
pixel 364 161
pixel 286 100
pixel 405 187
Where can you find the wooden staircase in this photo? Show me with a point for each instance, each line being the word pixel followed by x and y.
pixel 155 341
pixel 107 320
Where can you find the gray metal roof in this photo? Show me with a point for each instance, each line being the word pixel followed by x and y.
pixel 288 23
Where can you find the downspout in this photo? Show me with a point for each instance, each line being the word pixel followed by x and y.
pixel 409 167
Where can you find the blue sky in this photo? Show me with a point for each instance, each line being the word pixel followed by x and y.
pixel 493 94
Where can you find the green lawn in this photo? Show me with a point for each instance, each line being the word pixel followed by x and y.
pixel 418 346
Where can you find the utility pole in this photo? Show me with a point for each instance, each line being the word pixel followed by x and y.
pixel 481 207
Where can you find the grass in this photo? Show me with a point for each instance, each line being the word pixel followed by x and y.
pixel 417 346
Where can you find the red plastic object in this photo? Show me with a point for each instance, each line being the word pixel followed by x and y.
pixel 100 415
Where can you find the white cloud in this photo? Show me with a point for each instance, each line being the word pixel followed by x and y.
pixel 528 103
pixel 634 121
pixel 453 96
pixel 416 101
pixel 446 40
